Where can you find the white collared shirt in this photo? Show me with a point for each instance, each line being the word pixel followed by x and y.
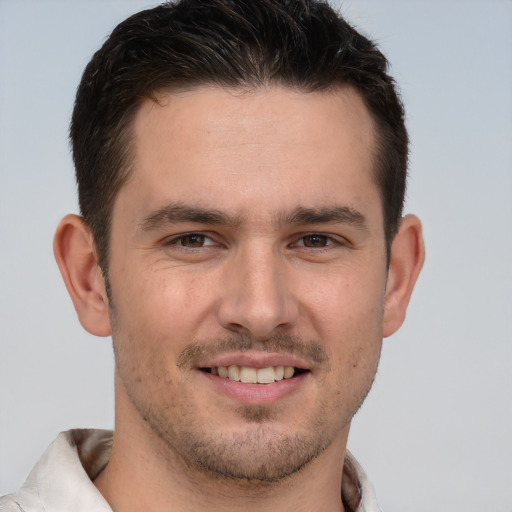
pixel 61 481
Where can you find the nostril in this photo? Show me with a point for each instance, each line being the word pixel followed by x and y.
pixel 258 305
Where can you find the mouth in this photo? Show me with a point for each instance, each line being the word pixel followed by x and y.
pixel 251 375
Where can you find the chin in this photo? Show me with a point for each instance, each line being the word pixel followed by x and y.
pixel 258 455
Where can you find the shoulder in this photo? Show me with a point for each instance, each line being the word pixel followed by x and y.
pixel 20 502
pixel 63 472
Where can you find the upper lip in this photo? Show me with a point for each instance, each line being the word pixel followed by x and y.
pixel 254 360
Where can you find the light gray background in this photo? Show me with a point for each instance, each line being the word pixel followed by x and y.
pixel 436 431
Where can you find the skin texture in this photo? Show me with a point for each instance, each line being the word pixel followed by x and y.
pixel 250 233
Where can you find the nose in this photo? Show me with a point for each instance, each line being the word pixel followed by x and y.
pixel 257 297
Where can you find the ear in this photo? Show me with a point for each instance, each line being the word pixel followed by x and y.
pixel 76 257
pixel 406 260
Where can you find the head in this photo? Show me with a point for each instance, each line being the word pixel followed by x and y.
pixel 241 169
pixel 300 44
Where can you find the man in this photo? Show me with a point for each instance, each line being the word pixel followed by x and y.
pixel 241 167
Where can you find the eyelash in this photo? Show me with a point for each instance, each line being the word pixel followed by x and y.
pixel 178 240
pixel 329 240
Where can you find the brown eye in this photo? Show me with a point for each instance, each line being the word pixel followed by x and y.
pixel 192 240
pixel 315 240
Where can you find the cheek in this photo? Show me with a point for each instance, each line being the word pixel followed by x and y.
pixel 353 342
pixel 158 313
pixel 348 318
pixel 348 302
pixel 155 296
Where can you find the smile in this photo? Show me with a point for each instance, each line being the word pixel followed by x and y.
pixel 249 375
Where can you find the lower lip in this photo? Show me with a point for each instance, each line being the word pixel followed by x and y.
pixel 256 394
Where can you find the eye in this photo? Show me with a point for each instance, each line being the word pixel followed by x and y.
pixel 315 241
pixel 191 241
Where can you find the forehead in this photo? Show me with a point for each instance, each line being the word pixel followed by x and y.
pixel 220 146
pixel 257 116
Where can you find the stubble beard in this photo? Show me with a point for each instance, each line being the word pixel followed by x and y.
pixel 261 453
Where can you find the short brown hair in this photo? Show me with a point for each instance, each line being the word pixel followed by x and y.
pixel 303 44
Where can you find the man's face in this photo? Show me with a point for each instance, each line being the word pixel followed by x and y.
pixel 248 241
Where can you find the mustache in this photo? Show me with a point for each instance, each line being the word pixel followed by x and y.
pixel 280 343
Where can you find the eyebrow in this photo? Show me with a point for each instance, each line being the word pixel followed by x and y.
pixel 325 215
pixel 175 213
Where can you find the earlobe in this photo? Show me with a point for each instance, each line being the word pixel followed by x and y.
pixel 75 252
pixel 406 260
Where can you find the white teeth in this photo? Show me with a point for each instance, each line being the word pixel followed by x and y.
pixel 288 372
pixel 250 375
pixel 266 375
pixel 233 372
